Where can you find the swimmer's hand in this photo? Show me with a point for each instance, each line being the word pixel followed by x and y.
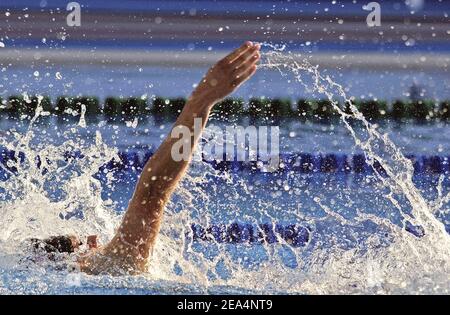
pixel 228 74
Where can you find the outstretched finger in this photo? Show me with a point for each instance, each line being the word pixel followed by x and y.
pixel 249 53
pixel 244 76
pixel 236 53
pixel 247 64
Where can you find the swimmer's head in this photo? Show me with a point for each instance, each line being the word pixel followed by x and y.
pixel 63 243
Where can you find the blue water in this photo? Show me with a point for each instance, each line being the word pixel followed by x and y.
pixel 174 82
pixel 247 198
pixel 296 137
pixel 212 198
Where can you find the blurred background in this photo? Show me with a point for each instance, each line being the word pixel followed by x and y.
pixel 153 50
pixel 149 48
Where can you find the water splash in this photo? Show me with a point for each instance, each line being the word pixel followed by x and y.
pixel 428 254
pixel 352 249
pixel 47 184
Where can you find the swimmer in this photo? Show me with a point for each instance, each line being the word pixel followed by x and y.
pixel 130 248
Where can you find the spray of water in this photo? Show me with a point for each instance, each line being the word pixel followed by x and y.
pixel 351 250
pixel 397 182
pixel 47 184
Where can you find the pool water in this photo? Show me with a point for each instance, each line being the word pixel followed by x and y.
pixel 149 81
pixel 356 232
pixel 210 197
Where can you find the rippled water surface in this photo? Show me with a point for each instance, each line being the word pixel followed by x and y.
pixel 366 232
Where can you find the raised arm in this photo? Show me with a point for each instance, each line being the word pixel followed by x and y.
pixel 161 174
